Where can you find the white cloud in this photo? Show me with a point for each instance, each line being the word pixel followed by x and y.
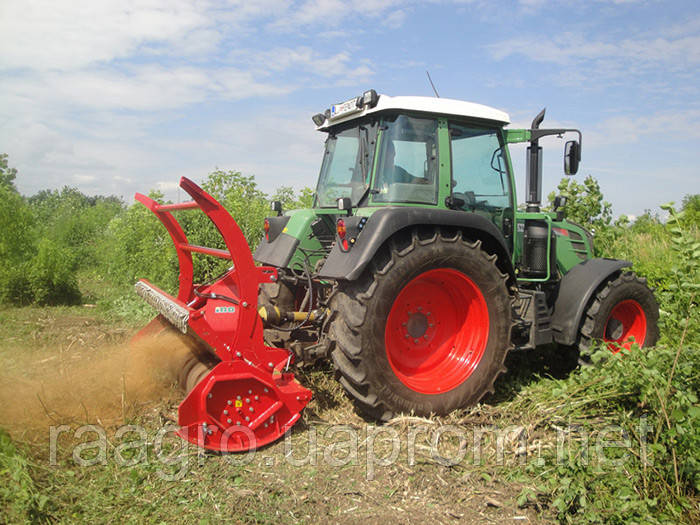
pixel 143 88
pixel 42 34
pixel 342 66
pixel 673 50
pixel 332 13
pixel 625 129
pixel 86 83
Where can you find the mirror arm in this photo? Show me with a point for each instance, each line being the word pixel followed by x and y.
pixel 536 134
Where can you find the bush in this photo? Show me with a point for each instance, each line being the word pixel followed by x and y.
pixel 51 277
pixel 136 245
pixel 74 221
pixel 16 246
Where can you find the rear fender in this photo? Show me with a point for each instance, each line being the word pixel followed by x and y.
pixel 384 223
pixel 288 239
pixel 575 292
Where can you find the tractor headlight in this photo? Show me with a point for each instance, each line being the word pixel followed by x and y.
pixel 370 98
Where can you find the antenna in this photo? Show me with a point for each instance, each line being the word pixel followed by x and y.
pixel 431 84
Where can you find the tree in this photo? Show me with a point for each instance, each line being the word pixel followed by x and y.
pixel 691 209
pixel 584 202
pixel 292 201
pixel 7 174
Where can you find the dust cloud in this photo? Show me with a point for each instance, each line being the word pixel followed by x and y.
pixel 106 386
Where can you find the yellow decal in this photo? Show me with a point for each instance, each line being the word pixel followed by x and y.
pixel 239 403
pixel 284 230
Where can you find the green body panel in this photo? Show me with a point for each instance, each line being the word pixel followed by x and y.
pixel 299 227
pixel 572 249
pixel 514 136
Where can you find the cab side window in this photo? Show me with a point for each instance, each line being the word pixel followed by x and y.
pixel 479 176
pixel 408 163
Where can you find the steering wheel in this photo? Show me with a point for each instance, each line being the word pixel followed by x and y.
pixel 468 198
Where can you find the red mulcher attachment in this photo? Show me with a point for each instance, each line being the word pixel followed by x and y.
pixel 248 399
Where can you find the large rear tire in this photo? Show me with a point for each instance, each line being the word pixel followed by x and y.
pixel 623 311
pixel 425 330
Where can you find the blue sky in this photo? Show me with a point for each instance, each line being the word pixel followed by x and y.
pixel 118 97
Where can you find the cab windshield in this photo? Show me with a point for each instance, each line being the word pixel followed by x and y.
pixel 347 161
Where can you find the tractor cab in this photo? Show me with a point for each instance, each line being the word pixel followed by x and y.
pixel 414 151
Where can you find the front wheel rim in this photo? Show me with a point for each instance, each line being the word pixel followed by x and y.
pixel 625 325
pixel 437 330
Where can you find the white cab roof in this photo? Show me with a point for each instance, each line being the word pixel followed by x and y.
pixel 442 106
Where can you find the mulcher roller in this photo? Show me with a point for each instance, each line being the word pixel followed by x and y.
pixel 240 393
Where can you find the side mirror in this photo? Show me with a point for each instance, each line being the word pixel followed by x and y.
pixel 345 204
pixel 276 206
pixel 572 157
pixel 558 205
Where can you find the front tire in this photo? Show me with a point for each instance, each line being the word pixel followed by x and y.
pixel 425 329
pixel 623 311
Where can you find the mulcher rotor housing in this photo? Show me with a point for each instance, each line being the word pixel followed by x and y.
pixel 415 272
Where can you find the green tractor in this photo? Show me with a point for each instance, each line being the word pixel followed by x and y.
pixel 416 272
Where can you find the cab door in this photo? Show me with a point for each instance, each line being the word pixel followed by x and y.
pixel 481 182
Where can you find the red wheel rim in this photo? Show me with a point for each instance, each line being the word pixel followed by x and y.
pixel 626 321
pixel 437 331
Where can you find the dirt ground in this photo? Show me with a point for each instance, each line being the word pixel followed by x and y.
pixel 72 367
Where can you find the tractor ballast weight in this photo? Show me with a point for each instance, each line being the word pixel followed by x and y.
pixel 248 399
